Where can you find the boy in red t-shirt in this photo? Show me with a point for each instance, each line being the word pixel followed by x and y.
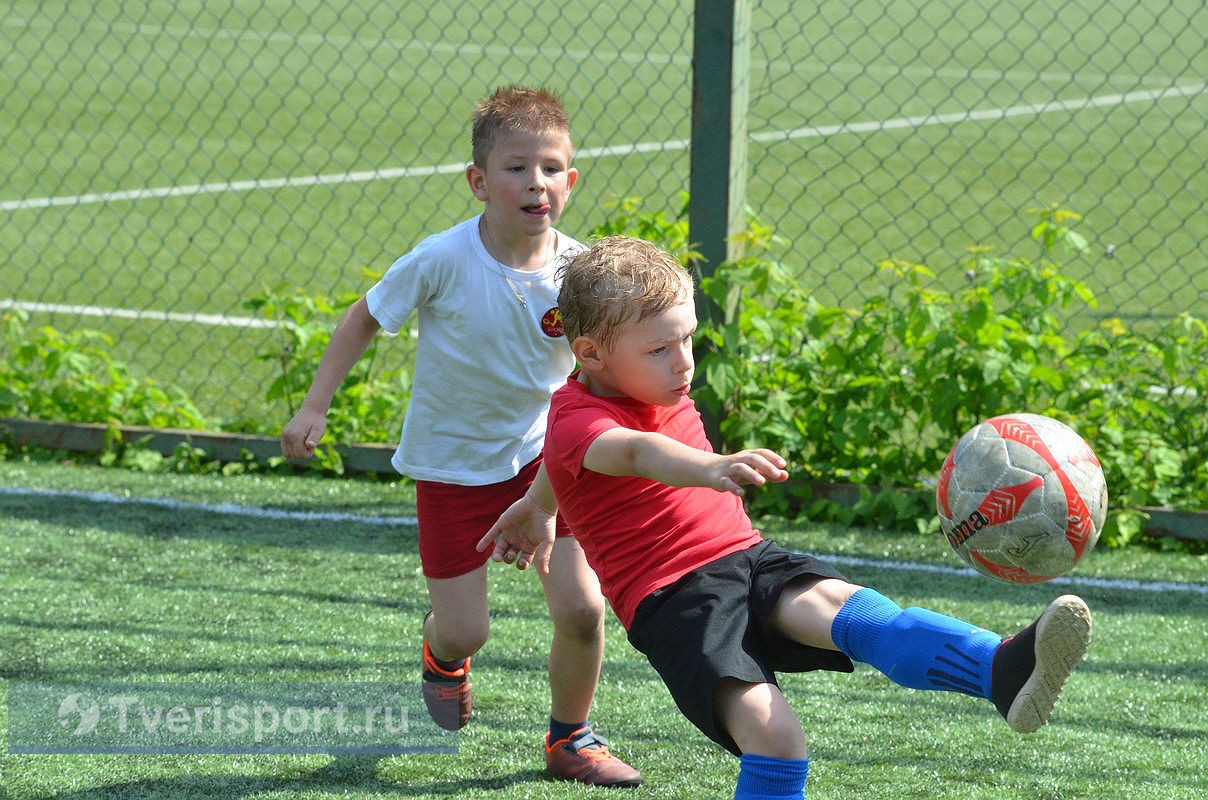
pixel 715 608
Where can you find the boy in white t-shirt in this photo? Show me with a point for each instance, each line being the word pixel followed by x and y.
pixel 491 353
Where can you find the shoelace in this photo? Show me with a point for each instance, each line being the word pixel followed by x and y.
pixel 444 691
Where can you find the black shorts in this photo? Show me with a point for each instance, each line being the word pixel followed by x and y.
pixel 709 625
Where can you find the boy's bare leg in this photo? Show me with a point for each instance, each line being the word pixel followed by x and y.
pixel 577 610
pixel 454 630
pixel 759 719
pixel 774 761
pixel 576 607
pixel 460 623
pixel 806 610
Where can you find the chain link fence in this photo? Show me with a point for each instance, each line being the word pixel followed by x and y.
pixel 164 162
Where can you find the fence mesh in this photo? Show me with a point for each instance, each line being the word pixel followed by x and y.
pixel 164 162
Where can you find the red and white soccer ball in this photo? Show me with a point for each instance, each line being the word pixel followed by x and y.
pixel 1021 498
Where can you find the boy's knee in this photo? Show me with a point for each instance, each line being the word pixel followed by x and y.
pixel 581 617
pixel 461 638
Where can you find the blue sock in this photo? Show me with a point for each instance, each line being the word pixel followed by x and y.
pixel 767 778
pixel 562 730
pixel 914 647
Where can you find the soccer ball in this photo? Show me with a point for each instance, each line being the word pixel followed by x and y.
pixel 1021 498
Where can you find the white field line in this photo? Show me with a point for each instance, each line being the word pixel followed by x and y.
pixel 1068 580
pixel 258 512
pixel 228 509
pixel 128 313
pixel 985 115
pixel 963 73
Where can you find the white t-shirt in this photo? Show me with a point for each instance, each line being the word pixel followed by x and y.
pixel 486 365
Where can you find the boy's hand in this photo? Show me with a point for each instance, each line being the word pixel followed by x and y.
pixel 301 434
pixel 753 467
pixel 523 534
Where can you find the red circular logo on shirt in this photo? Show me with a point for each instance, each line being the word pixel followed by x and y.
pixel 551 323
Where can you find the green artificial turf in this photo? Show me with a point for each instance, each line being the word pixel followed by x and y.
pixel 109 575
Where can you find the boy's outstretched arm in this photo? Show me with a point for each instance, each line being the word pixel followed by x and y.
pixel 349 340
pixel 621 451
pixel 524 533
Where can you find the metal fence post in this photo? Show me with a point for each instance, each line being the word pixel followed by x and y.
pixel 720 85
pixel 717 185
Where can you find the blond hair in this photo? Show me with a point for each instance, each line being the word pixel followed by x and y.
pixel 618 279
pixel 520 109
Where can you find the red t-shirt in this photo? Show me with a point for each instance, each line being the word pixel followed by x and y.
pixel 638 535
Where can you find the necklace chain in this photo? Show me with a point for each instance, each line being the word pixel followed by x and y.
pixel 521 297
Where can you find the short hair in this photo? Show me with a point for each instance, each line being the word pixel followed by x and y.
pixel 617 279
pixel 521 109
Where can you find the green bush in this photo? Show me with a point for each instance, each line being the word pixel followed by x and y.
pixel 47 374
pixel 1143 403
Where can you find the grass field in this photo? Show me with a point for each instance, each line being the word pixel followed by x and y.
pixel 109 575
pixel 176 158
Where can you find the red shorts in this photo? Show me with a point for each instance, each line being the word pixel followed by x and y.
pixel 453 518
